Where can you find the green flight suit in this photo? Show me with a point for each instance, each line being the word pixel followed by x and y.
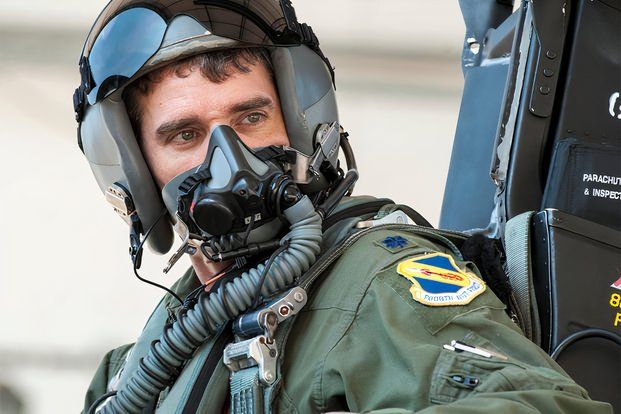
pixel 363 344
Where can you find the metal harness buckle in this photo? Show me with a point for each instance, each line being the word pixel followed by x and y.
pixel 252 352
pixel 261 350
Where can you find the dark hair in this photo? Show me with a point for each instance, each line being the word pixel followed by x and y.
pixel 217 66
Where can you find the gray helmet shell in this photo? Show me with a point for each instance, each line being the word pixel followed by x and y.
pixel 307 97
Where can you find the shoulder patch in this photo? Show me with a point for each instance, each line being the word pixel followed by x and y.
pixel 438 281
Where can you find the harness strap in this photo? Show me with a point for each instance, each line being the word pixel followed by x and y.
pixel 520 271
pixel 246 391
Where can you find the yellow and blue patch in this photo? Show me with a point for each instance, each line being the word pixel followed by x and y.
pixel 438 281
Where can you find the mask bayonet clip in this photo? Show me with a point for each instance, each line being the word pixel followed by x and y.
pixel 187 246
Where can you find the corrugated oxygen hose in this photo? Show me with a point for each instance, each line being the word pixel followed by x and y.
pixel 179 341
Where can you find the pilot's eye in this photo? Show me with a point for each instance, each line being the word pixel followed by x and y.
pixel 253 118
pixel 187 135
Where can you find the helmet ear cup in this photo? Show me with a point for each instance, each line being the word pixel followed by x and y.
pixel 306 92
pixel 114 156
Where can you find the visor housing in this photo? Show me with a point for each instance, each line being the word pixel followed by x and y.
pixel 128 34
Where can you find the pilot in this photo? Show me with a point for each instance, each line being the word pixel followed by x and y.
pixel 218 119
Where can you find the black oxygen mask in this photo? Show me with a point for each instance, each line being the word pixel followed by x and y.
pixel 230 205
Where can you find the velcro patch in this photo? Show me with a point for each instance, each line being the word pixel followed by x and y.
pixel 438 281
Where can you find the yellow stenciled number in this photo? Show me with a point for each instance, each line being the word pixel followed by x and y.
pixel 615 300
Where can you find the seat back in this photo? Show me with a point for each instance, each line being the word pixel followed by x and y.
pixel 553 103
pixel 556 151
pixel 490 28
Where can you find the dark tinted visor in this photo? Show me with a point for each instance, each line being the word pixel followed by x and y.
pixel 128 33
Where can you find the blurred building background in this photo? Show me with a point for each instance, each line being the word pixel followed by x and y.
pixel 67 293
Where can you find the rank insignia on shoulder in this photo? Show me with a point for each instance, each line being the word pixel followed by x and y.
pixel 393 244
pixel 438 281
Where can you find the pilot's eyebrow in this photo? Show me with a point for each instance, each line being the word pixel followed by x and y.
pixel 176 125
pixel 250 104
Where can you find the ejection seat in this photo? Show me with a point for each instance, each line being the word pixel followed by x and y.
pixel 536 162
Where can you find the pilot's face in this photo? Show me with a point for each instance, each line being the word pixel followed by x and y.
pixel 178 114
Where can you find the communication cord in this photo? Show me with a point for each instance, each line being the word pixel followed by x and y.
pixel 179 341
pixel 584 334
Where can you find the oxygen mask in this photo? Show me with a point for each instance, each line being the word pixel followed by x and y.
pixel 231 205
